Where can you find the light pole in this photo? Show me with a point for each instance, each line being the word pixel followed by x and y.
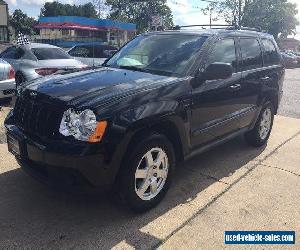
pixel 239 19
pixel 210 10
pixel 240 13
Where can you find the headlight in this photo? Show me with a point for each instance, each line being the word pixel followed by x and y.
pixel 82 125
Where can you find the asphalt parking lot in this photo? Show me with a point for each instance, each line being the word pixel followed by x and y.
pixel 290 103
pixel 232 187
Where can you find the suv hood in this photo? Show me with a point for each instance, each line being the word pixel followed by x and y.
pixel 86 87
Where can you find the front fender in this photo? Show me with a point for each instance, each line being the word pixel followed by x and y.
pixel 167 117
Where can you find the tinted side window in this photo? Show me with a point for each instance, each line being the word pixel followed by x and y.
pixel 49 53
pixel 251 53
pixel 79 51
pixel 9 53
pixel 271 56
pixel 13 53
pixel 99 52
pixel 19 53
pixel 225 52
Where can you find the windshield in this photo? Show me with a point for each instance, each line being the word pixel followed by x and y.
pixel 50 53
pixel 166 54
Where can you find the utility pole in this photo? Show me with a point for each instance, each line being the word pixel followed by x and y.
pixel 210 10
pixel 240 13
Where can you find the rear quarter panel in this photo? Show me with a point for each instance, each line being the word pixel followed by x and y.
pixel 4 70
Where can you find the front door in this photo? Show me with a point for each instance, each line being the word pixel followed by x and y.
pixel 216 103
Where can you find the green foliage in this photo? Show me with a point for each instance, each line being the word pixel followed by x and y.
pixel 140 12
pixel 59 9
pixel 20 22
pixel 277 17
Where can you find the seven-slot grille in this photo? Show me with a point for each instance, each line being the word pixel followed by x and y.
pixel 37 117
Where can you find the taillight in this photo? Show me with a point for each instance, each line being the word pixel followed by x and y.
pixel 84 67
pixel 11 74
pixel 46 71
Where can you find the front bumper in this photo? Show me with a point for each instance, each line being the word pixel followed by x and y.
pixel 62 163
pixel 7 88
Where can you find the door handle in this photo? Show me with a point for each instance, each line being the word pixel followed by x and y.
pixel 265 78
pixel 235 86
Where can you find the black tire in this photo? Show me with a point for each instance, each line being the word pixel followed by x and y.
pixel 20 78
pixel 127 189
pixel 253 136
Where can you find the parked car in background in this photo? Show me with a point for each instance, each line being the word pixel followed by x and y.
pixel 37 60
pixel 294 54
pixel 7 80
pixel 289 61
pixel 92 55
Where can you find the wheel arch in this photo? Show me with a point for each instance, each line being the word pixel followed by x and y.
pixel 272 97
pixel 166 128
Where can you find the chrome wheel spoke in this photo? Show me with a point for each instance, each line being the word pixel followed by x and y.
pixel 144 187
pixel 141 173
pixel 161 173
pixel 149 159
pixel 160 158
pixel 153 187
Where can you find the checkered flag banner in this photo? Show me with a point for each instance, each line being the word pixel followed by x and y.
pixel 22 39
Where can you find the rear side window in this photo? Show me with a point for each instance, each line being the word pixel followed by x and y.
pixel 251 54
pixel 13 53
pixel 90 51
pixel 80 51
pixel 224 52
pixel 104 51
pixel 49 53
pixel 271 56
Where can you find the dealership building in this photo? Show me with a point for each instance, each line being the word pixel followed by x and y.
pixel 3 21
pixel 67 31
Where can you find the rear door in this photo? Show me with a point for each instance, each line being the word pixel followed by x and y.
pixel 273 69
pixel 252 76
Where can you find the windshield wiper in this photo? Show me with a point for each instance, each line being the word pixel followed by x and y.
pixel 134 68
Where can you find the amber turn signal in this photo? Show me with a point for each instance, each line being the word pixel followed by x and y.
pixel 99 132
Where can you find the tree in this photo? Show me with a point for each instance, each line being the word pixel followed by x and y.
pixel 277 17
pixel 20 22
pixel 101 7
pixel 58 9
pixel 140 12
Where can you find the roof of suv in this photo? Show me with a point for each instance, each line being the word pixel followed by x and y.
pixel 209 32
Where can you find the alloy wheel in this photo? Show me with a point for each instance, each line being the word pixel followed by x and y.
pixel 265 123
pixel 151 173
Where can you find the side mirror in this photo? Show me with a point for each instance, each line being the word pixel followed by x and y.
pixel 216 71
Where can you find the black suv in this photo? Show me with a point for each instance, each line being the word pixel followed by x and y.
pixel 163 97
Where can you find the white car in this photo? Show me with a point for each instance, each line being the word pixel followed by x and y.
pixel 7 80
pixel 92 55
pixel 36 60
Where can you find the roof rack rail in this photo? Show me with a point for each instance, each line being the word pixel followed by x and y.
pixel 178 27
pixel 214 26
pixel 251 28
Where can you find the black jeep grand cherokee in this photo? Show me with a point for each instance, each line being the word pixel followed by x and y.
pixel 161 98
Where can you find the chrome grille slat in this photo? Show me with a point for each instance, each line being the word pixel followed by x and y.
pixel 37 117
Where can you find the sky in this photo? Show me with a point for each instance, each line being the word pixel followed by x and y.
pixel 184 11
